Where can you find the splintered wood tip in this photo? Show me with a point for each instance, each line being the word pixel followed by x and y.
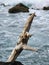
pixel 32 14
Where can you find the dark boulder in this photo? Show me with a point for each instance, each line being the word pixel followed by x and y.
pixel 19 8
pixel 11 63
pixel 46 8
pixel 2 4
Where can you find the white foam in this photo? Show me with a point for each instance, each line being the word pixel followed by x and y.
pixel 34 3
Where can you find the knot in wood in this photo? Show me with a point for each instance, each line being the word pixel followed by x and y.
pixel 24 38
pixel 25 35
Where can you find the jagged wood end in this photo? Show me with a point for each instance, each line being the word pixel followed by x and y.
pixel 28 23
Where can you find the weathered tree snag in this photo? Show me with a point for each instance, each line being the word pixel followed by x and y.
pixel 23 39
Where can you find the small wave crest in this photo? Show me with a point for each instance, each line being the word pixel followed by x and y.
pixel 33 4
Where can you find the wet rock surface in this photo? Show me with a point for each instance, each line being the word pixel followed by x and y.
pixel 11 63
pixel 19 8
pixel 46 8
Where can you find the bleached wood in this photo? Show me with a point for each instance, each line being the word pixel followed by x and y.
pixel 25 47
pixel 23 39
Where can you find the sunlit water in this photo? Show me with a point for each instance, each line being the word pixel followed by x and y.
pixel 11 25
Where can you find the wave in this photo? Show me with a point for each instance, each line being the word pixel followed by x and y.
pixel 32 4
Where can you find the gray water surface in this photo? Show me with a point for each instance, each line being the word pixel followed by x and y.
pixel 11 25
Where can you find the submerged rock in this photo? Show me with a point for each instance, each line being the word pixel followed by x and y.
pixel 19 8
pixel 46 8
pixel 11 63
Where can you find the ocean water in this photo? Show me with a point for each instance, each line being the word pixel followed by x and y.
pixel 11 26
pixel 34 4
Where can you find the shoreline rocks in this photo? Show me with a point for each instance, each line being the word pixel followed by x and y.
pixel 46 8
pixel 42 8
pixel 19 8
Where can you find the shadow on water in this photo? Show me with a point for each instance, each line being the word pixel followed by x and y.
pixel 11 63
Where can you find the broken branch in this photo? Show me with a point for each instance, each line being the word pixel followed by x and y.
pixel 23 39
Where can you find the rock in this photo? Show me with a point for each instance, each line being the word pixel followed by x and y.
pixel 19 8
pixel 11 63
pixel 2 4
pixel 46 8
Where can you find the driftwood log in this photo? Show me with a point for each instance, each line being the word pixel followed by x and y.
pixel 23 39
